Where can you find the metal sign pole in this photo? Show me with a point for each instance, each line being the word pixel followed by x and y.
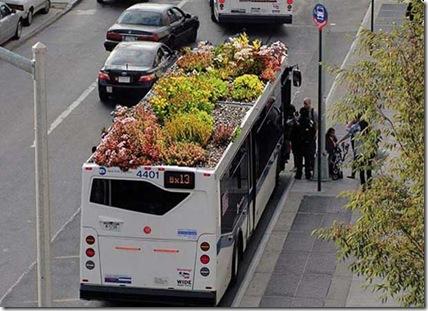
pixel 372 17
pixel 42 178
pixel 319 108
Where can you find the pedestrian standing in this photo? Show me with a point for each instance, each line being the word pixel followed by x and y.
pixel 305 135
pixel 330 146
pixel 311 146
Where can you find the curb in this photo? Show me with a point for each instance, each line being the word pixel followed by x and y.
pixel 47 23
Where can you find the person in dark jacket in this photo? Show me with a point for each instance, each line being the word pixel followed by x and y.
pixel 330 145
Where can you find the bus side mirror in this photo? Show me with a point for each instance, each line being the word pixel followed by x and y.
pixel 94 148
pixel 297 77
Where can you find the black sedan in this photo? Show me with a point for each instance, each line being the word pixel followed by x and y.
pixel 133 67
pixel 153 22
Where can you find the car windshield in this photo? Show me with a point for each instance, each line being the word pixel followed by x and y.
pixel 132 56
pixel 138 17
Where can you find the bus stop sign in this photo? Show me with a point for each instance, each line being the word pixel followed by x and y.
pixel 320 16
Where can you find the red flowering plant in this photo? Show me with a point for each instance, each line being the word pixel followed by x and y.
pixel 134 139
pixel 223 134
pixel 272 57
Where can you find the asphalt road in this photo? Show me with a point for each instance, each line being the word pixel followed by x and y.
pixel 75 54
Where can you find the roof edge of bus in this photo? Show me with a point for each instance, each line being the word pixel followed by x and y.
pixel 89 166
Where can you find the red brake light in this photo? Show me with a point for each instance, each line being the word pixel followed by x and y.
pixel 205 259
pixel 90 239
pixel 90 252
pixel 114 36
pixel 290 1
pixel 151 37
pixel 147 78
pixel 221 1
pixel 205 246
pixel 103 76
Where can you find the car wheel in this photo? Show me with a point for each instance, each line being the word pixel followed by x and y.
pixel 102 93
pixel 194 35
pixel 29 20
pixel 213 18
pixel 18 31
pixel 47 7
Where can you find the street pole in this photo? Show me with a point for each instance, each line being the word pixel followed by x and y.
pixel 319 107
pixel 372 17
pixel 44 289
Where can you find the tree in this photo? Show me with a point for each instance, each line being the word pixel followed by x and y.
pixel 386 88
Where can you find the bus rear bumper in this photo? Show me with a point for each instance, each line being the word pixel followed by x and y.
pixel 251 19
pixel 163 296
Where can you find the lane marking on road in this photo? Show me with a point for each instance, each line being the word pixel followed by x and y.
pixel 260 250
pixel 10 289
pixel 67 257
pixel 182 3
pixel 70 108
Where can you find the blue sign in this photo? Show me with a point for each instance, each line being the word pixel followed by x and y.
pixel 320 16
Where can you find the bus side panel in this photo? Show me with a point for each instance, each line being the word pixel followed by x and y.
pixel 224 265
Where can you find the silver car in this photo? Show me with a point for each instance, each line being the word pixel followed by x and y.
pixel 10 23
pixel 29 8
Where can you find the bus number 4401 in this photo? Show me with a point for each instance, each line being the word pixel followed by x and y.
pixel 148 174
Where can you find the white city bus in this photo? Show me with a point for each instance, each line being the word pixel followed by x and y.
pixel 252 11
pixel 170 233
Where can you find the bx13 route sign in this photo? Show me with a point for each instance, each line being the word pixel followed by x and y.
pixel 320 16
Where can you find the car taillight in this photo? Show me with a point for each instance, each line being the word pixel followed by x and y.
pixel 114 36
pixel 205 259
pixel 103 76
pixel 290 1
pixel 90 252
pixel 147 78
pixel 152 37
pixel 90 239
pixel 205 246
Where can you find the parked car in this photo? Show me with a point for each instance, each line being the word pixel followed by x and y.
pixel 10 23
pixel 133 68
pixel 30 7
pixel 153 22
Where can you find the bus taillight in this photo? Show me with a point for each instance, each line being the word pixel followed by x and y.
pixel 290 1
pixel 205 259
pixel 90 265
pixel 90 239
pixel 90 252
pixel 205 246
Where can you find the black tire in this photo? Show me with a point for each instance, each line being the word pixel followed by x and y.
pixel 171 42
pixel 102 93
pixel 29 20
pixel 194 35
pixel 18 31
pixel 47 7
pixel 213 15
pixel 236 259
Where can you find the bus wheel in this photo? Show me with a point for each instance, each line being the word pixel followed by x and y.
pixel 235 262
pixel 213 18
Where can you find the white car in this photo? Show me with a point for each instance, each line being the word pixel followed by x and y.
pixel 29 8
pixel 10 23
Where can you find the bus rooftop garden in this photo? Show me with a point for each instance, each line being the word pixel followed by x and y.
pixel 179 182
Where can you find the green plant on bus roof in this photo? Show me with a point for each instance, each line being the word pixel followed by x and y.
pixel 194 127
pixel 246 88
pixel 184 154
pixel 198 60
pixel 173 94
pixel 223 134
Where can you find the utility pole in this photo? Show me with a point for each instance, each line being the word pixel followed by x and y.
pixel 42 178
pixel 372 17
pixel 37 68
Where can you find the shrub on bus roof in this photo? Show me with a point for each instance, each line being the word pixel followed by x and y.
pixel 174 124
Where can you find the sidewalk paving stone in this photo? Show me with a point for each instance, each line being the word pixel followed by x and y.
pixel 313 286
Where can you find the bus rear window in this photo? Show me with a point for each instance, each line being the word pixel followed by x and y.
pixel 137 196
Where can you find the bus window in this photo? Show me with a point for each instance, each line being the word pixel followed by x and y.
pixel 234 189
pixel 137 196
pixel 267 138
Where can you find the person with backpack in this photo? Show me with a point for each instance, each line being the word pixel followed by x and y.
pixel 308 131
pixel 305 133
